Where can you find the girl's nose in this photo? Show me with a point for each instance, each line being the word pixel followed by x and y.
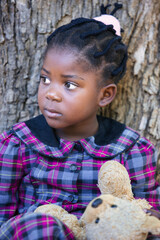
pixel 54 95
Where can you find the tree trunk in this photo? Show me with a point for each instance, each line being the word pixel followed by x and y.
pixel 24 27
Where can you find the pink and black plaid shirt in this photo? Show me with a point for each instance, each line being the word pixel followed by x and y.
pixel 38 168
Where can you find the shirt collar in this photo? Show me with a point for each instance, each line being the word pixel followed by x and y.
pixel 112 138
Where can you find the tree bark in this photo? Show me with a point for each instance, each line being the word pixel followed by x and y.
pixel 24 27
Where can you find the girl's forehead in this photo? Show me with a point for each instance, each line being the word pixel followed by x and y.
pixel 65 63
pixel 68 58
pixel 60 53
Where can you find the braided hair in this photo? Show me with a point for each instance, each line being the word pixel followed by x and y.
pixel 95 42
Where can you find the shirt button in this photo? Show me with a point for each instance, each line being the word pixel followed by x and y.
pixel 73 168
pixel 70 198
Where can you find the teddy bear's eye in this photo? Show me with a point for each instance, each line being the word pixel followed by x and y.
pixel 97 220
pixel 97 202
pixel 113 206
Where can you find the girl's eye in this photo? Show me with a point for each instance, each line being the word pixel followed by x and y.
pixel 45 80
pixel 70 85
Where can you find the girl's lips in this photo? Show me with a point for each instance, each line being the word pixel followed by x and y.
pixel 52 113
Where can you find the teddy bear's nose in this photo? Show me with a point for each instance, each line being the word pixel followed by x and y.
pixel 97 202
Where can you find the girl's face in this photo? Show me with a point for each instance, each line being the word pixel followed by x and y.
pixel 68 94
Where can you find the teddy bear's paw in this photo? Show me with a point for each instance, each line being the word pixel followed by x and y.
pixel 152 225
pixel 52 209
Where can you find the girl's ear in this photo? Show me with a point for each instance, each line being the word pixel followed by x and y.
pixel 107 94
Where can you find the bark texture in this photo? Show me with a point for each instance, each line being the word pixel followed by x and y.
pixel 24 27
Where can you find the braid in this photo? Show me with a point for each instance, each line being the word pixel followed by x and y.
pixel 66 27
pixel 95 42
pixel 98 54
pixel 97 32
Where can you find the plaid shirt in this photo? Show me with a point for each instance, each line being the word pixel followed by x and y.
pixel 33 173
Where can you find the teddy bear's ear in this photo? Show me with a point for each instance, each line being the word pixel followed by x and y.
pixel 152 225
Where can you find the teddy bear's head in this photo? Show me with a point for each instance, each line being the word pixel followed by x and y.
pixel 115 218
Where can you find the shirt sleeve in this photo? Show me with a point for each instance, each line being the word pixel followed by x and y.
pixel 140 161
pixel 10 175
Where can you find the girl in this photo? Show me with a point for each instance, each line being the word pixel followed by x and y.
pixel 55 157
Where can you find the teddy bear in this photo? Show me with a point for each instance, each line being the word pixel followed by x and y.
pixel 115 202
pixel 109 217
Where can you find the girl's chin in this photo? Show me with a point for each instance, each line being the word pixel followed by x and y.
pixel 55 122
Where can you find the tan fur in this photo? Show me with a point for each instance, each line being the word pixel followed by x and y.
pixel 126 221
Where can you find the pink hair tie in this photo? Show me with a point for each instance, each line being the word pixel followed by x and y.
pixel 110 20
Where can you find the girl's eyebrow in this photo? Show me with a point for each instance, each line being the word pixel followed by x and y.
pixel 72 76
pixel 64 76
pixel 46 71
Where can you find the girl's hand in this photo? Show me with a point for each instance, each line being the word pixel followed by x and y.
pixel 153 212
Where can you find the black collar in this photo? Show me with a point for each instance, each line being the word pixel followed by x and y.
pixel 109 130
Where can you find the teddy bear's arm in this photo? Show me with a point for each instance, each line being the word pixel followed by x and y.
pixel 152 225
pixel 69 219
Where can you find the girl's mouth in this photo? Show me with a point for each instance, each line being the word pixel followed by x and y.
pixel 51 113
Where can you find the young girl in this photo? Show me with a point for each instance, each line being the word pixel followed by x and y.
pixel 55 157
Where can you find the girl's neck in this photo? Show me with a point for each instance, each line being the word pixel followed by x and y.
pixel 78 132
